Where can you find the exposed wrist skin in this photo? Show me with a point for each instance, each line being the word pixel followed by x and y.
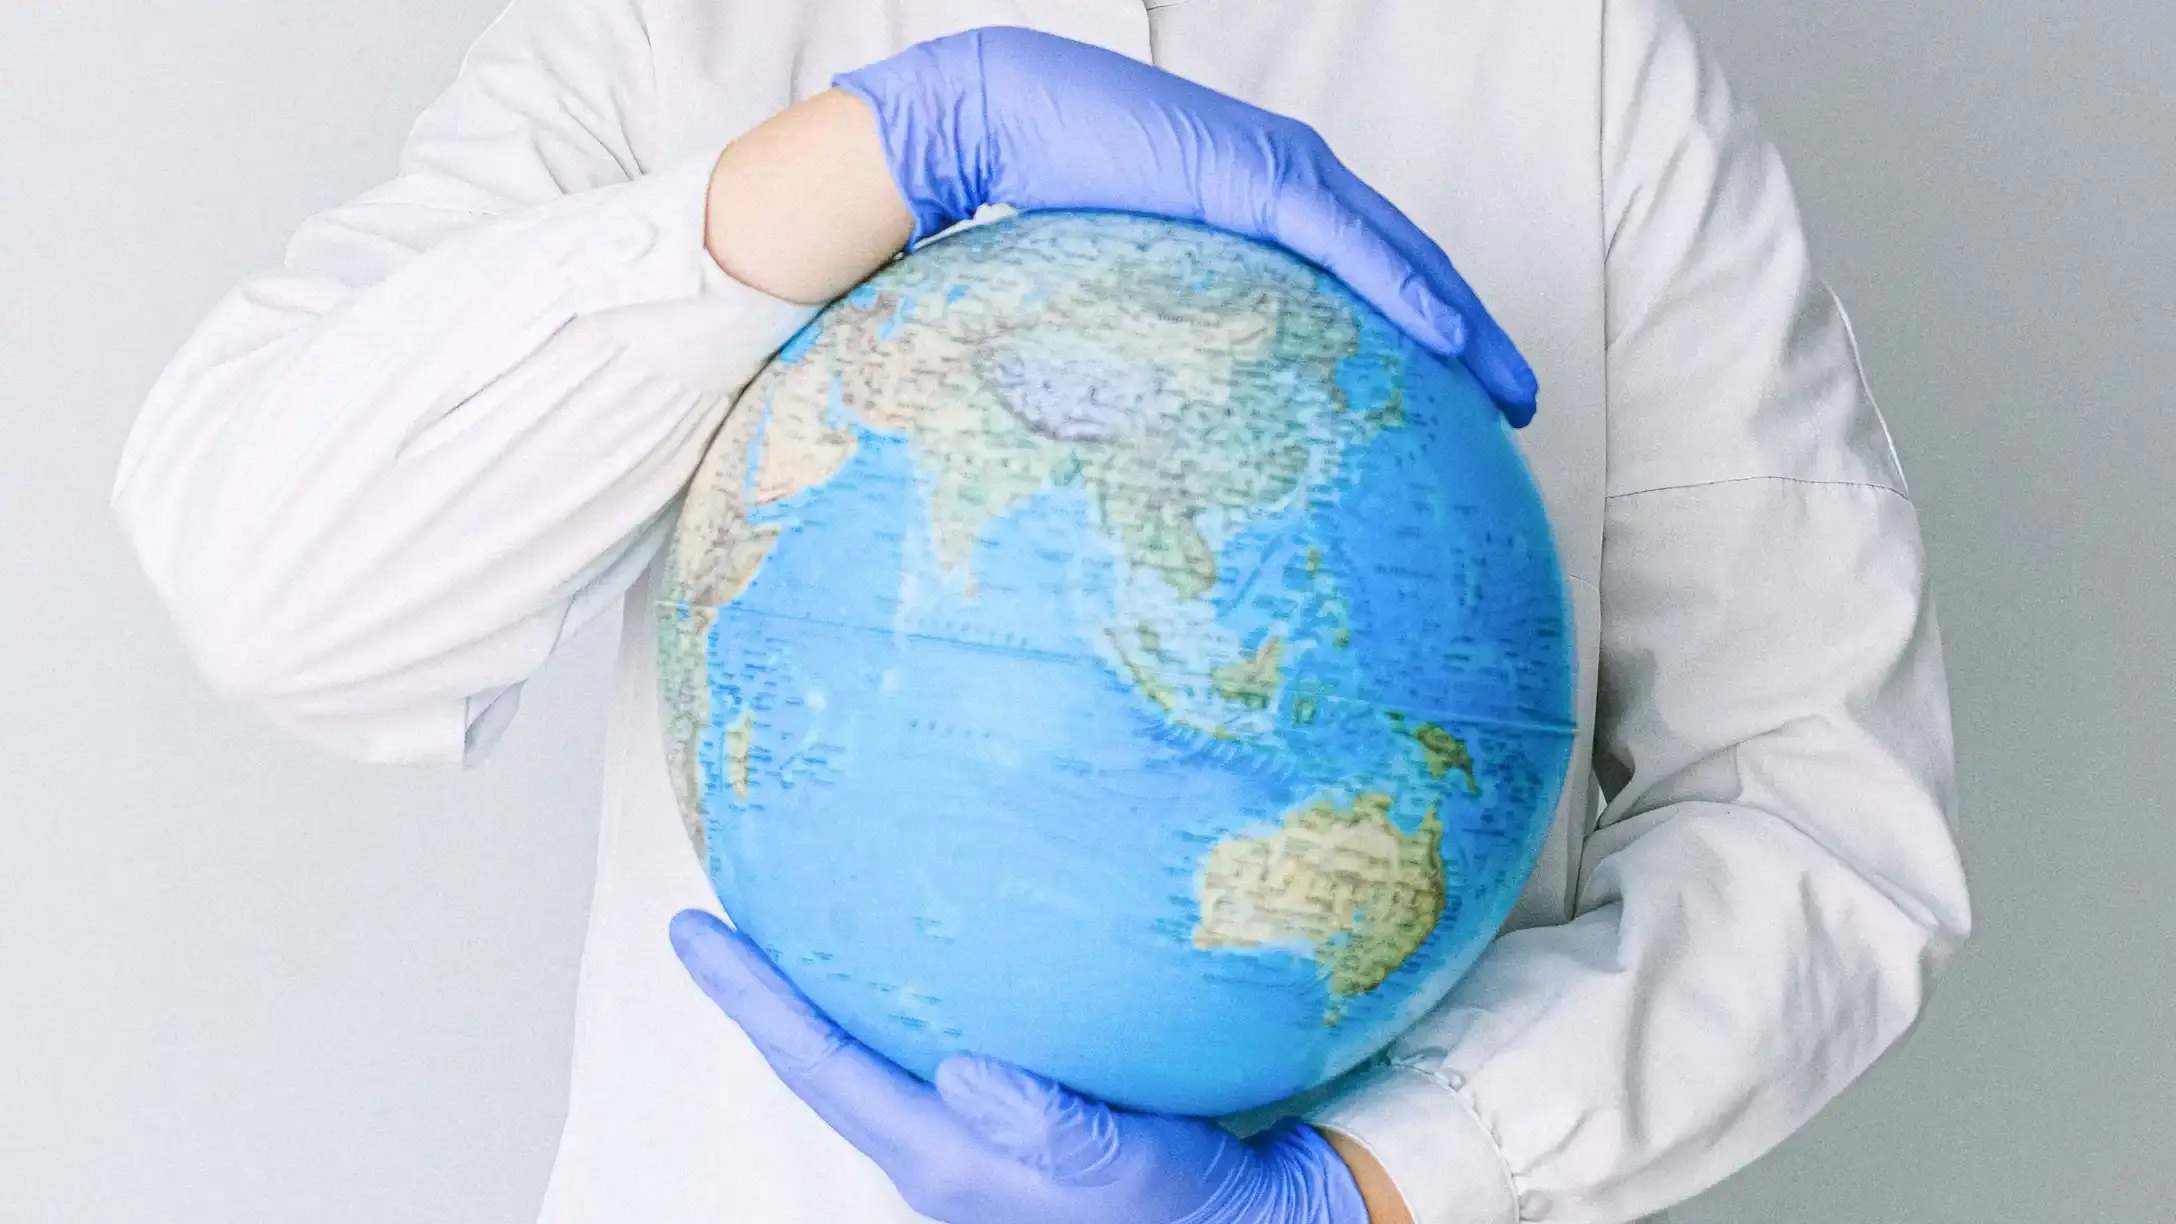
pixel 1385 1204
pixel 802 206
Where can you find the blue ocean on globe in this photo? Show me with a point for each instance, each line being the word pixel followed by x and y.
pixel 1107 644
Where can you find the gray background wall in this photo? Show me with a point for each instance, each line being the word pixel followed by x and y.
pixel 242 981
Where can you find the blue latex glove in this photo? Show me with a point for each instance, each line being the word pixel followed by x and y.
pixel 1013 116
pixel 990 1143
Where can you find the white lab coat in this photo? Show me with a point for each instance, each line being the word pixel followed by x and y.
pixel 382 482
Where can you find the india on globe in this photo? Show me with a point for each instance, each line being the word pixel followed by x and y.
pixel 1107 644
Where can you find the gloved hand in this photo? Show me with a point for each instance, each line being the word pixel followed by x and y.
pixel 993 1144
pixel 1013 116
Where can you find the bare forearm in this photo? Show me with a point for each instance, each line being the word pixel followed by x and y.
pixel 802 205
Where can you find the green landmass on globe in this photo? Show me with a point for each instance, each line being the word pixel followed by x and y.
pixel 1344 883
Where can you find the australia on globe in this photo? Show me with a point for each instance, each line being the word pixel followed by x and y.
pixel 1107 644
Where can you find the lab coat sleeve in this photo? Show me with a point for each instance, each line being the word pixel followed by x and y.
pixel 1773 883
pixel 381 482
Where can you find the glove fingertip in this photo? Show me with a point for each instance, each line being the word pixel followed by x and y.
pixel 725 963
pixel 1517 395
pixel 691 920
pixel 1504 374
pixel 691 930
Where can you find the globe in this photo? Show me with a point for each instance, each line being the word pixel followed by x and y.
pixel 1107 644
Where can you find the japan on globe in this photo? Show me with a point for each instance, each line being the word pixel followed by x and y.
pixel 1107 644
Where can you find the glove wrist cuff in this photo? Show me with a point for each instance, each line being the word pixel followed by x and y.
pixel 1306 1181
pixel 932 117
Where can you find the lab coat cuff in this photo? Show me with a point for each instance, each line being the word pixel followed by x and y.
pixel 1430 1140
pixel 651 289
pixel 644 242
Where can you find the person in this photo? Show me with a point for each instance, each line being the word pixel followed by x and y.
pixel 383 481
